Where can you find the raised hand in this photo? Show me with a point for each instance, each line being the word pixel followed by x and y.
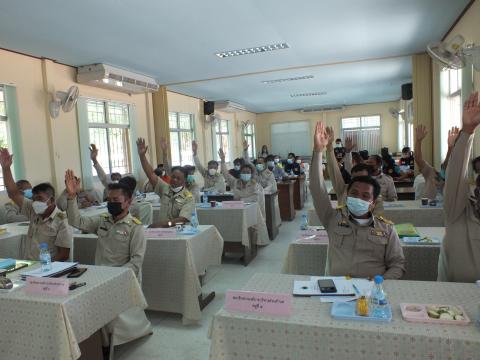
pixel 141 147
pixel 421 133
pixel 72 183
pixel 349 144
pixel 245 145
pixel 471 114
pixel 331 136
pixel 6 159
pixel 163 145
pixel 452 136
pixel 221 154
pixel 321 138
pixel 93 152
pixel 194 147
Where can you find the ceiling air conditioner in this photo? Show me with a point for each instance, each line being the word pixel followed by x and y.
pixel 228 106
pixel 110 77
pixel 323 108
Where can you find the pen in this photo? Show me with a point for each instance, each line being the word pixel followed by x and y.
pixel 73 286
pixel 356 289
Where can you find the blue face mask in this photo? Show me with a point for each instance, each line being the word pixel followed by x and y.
pixel 357 207
pixel 270 164
pixel 237 167
pixel 190 179
pixel 246 177
pixel 442 174
pixel 260 167
pixel 290 161
pixel 28 193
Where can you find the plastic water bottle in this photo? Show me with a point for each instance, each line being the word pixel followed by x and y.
pixel 205 198
pixel 378 299
pixel 194 221
pixel 45 258
pixel 304 223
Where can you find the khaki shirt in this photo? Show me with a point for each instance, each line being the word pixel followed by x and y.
pixel 355 250
pixel 12 213
pixel 388 191
pixel 174 205
pixel 430 188
pixel 53 230
pixel 460 251
pixel 84 199
pixel 266 178
pixel 142 210
pixel 211 183
pixel 120 243
pixel 195 190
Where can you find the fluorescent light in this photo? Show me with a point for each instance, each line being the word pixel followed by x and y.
pixel 106 80
pixel 306 77
pixel 118 83
pixel 252 50
pixel 317 93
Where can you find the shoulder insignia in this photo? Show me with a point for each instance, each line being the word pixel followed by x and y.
pixel 187 193
pixel 136 220
pixel 105 215
pixel 61 216
pixel 341 206
pixel 386 221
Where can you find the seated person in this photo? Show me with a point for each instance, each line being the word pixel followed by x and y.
pixel 460 250
pixel 361 245
pixel 407 159
pixel 276 167
pixel 248 189
pixel 388 191
pixel 351 158
pixel 102 176
pixel 162 170
pixel 263 175
pixel 237 164
pixel 47 223
pixel 12 210
pixel 85 198
pixel 121 243
pixel 290 164
pixel 191 183
pixel 340 150
pixel 390 168
pixel 298 169
pixel 141 209
pixel 177 203
pixel 213 179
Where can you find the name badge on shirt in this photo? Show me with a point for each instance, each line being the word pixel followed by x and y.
pixel 120 232
pixel 377 232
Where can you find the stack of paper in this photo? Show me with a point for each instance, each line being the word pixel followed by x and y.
pixel 58 267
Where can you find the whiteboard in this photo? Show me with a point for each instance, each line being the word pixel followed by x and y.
pixel 292 136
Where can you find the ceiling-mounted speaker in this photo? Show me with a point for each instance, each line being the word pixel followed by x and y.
pixel 407 91
pixel 208 107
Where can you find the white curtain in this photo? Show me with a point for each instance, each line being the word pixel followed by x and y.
pixel 366 139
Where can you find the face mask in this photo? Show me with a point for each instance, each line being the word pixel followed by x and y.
pixel 442 174
pixel 39 207
pixel 114 208
pixel 276 161
pixel 190 178
pixel 28 193
pixel 338 146
pixel 260 167
pixel 177 189
pixel 212 172
pixel 115 181
pixel 270 164
pixel 357 207
pixel 236 167
pixel 245 177
pixel 290 161
pixel 298 161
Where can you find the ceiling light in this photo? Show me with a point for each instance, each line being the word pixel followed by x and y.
pixel 306 77
pixel 317 93
pixel 252 50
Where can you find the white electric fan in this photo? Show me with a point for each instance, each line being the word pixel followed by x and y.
pixel 455 53
pixel 64 100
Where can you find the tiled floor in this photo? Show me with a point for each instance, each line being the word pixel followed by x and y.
pixel 172 340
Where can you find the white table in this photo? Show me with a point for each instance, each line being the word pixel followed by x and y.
pixel 401 212
pixel 421 260
pixel 11 242
pixel 311 333
pixel 171 270
pixel 51 327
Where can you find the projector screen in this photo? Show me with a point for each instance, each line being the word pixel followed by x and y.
pixel 292 136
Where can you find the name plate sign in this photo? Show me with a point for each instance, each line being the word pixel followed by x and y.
pixel 161 233
pixel 47 286
pixel 233 205
pixel 259 302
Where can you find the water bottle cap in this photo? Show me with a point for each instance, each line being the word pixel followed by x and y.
pixel 378 279
pixel 43 246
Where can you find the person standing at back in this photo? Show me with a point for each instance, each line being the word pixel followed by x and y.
pixel 263 174
pixel 213 179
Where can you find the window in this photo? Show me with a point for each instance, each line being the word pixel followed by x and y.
pixel 181 136
pixel 249 135
pixel 4 133
pixel 365 130
pixel 108 129
pixel 451 104
pixel 221 139
pixel 292 136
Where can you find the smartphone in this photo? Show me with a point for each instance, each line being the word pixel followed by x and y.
pixel 77 273
pixel 327 286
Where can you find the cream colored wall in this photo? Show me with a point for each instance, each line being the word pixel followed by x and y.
pixel 389 125
pixel 50 146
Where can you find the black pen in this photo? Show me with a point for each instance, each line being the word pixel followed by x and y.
pixel 75 285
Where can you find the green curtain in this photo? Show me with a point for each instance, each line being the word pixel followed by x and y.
pixel 136 166
pixel 13 122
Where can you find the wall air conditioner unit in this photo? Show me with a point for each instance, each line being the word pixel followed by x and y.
pixel 113 78
pixel 228 106
pixel 323 108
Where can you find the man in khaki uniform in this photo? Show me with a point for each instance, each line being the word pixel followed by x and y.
pixel 388 192
pixel 460 252
pixel 263 175
pixel 102 176
pixel 12 210
pixel 360 244
pixel 177 203
pixel 47 223
pixel 213 179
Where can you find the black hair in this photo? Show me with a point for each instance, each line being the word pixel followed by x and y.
pixel 159 165
pixel 158 171
pixel 240 161
pixel 378 159
pixel 115 174
pixel 245 166
pixel 362 167
pixel 406 149
pixel 270 158
pixel 126 190
pixel 357 157
pixel 293 154
pixel 190 169
pixel 45 188
pixel 475 161
pixel 338 139
pixel 265 147
pixel 364 154
pixel 22 182
pixel 213 162
pixel 181 169
pixel 366 180
pixel 129 181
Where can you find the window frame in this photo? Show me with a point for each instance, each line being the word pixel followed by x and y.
pixel 447 98
pixel 252 150
pixel 178 130
pixel 379 127
pixel 216 146
pixel 5 119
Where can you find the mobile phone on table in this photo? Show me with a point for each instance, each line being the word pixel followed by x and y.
pixel 77 273
pixel 327 286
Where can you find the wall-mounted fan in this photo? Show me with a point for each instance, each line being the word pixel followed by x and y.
pixel 64 100
pixel 209 119
pixel 396 113
pixel 454 54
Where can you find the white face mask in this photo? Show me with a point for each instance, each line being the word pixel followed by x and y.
pixel 299 161
pixel 276 161
pixel 177 189
pixel 357 207
pixel 212 172
pixel 237 167
pixel 39 207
